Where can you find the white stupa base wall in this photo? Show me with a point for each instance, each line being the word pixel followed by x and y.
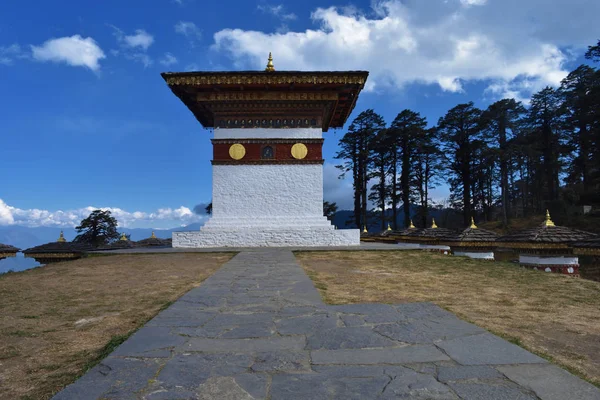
pixel 487 255
pixel 267 237
pixel 540 260
pixel 268 204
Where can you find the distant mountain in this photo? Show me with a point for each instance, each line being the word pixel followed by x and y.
pixel 25 237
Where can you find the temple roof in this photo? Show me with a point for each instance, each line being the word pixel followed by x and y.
pixel 475 235
pixel 6 248
pixel 59 247
pixel 547 234
pixel 331 93
pixel 152 242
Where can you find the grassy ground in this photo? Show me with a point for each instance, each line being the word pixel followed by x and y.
pixel 59 320
pixel 553 315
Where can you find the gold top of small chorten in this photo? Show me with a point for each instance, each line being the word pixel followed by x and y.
pixel 411 224
pixel 473 226
pixel 389 228
pixel 365 229
pixel 548 221
pixel 61 238
pixel 123 237
pixel 433 225
pixel 153 236
pixel 270 66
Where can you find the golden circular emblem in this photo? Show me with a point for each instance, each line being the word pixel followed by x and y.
pixel 237 151
pixel 299 151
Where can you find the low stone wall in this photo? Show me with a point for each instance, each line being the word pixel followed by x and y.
pixel 267 238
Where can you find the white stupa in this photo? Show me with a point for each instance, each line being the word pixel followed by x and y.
pixel 267 153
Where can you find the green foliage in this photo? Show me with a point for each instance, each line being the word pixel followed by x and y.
pixel 99 228
pixel 329 209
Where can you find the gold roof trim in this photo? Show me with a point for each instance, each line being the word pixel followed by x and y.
pixel 259 78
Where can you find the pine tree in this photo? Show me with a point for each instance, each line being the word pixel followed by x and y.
pixel 458 129
pixel 407 127
pixel 99 228
pixel 355 151
pixel 501 121
pixel 426 167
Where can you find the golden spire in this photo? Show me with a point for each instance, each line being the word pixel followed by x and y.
pixel 61 238
pixel 123 237
pixel 388 228
pixel 548 221
pixel 365 229
pixel 270 67
pixel 473 226
pixel 433 225
pixel 411 224
pixel 153 235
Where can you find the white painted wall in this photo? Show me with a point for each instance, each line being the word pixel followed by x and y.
pixel 267 238
pixel 563 260
pixel 268 133
pixel 267 191
pixel 486 255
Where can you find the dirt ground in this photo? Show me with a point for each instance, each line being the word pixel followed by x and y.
pixel 56 321
pixel 553 315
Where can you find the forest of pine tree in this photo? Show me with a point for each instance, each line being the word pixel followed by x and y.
pixel 507 161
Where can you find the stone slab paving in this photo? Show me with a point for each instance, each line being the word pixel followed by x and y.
pixel 257 329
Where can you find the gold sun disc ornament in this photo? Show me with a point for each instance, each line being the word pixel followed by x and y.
pixel 299 151
pixel 237 151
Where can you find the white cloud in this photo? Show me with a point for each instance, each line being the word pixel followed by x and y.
pixel 337 190
pixel 447 44
pixel 134 47
pixel 9 53
pixel 276 10
pixel 141 39
pixel 71 218
pixel 189 30
pixel 469 3
pixel 73 50
pixel 168 59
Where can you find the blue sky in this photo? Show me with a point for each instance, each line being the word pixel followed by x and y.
pixel 87 121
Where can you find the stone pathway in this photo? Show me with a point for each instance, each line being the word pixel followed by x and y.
pixel 257 329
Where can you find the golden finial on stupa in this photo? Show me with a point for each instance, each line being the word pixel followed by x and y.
pixel 548 221
pixel 123 237
pixel 270 67
pixel 153 236
pixel 473 226
pixel 389 228
pixel 411 224
pixel 61 238
pixel 365 229
pixel 433 225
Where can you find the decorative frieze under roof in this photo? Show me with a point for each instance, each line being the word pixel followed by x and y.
pixel 546 235
pixel 589 247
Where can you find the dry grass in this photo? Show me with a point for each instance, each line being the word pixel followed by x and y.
pixel 58 320
pixel 553 315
